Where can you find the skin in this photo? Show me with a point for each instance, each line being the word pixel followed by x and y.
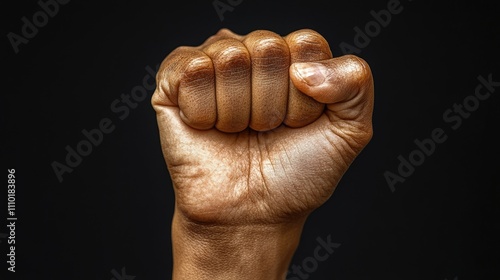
pixel 256 131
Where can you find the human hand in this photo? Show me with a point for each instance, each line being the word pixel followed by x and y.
pixel 256 132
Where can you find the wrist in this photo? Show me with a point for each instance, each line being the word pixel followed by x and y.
pixel 261 251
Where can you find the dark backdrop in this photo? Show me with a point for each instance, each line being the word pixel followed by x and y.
pixel 110 217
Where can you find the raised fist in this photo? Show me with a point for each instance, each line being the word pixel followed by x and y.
pixel 256 132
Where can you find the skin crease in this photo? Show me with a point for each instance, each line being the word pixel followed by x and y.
pixel 256 132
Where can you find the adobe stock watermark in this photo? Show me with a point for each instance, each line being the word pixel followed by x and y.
pixel 30 27
pixel 310 264
pixel 453 117
pixel 121 276
pixel 372 29
pixel 92 138
pixel 228 6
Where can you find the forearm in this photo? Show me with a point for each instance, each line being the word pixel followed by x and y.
pixel 233 252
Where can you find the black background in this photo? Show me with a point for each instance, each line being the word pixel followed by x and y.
pixel 114 210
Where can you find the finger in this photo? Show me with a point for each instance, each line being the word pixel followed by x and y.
pixel 232 67
pixel 305 45
pixel 345 84
pixel 270 62
pixel 186 79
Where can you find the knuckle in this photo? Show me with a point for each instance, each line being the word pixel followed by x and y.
pixel 231 56
pixel 185 62
pixel 306 43
pixel 198 69
pixel 166 77
pixel 225 32
pixel 267 44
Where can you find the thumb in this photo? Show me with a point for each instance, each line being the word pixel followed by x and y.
pixel 344 83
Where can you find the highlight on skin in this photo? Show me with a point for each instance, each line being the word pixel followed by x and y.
pixel 256 131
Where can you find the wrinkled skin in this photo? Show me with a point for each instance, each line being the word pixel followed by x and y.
pixel 252 134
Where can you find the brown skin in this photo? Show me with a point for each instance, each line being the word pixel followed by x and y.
pixel 255 138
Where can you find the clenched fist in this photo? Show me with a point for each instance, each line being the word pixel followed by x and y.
pixel 256 131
